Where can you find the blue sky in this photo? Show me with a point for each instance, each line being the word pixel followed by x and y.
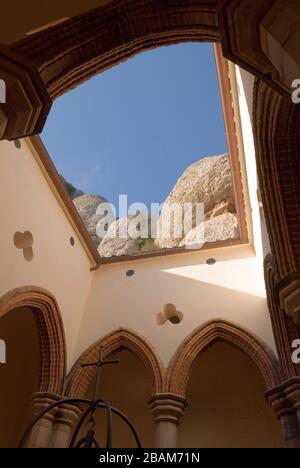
pixel 135 128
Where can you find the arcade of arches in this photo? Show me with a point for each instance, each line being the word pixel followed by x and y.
pixel 213 382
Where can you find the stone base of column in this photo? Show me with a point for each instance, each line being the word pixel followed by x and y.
pixel 285 401
pixel 167 410
pixel 55 428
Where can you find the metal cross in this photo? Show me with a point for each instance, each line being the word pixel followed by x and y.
pixel 98 364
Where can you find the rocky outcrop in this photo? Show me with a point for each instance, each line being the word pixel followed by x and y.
pixel 86 206
pixel 207 181
pixel 72 191
pixel 119 240
pixel 220 228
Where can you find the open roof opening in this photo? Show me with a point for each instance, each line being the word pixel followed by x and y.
pixel 145 156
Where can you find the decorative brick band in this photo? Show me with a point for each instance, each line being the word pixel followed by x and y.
pixel 276 123
pixel 180 368
pixel 74 51
pixel 50 329
pixel 284 329
pixel 123 338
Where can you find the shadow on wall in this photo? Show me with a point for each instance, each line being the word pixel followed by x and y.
pixel 227 407
pixel 232 291
pixel 19 377
pixel 127 387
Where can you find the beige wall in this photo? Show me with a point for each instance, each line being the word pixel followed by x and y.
pixel 28 204
pixel 127 387
pixel 227 407
pixel 232 289
pixel 19 376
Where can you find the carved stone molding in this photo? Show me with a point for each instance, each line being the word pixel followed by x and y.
pixel 284 329
pixel 285 402
pixel 288 292
pixel 54 429
pixel 276 122
pixel 262 37
pixel 27 102
pixel 167 409
pixel 280 36
pixel 285 398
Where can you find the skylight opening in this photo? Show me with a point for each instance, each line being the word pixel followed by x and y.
pixel 145 157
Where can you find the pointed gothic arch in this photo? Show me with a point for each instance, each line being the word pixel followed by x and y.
pixel 50 330
pixel 122 338
pixel 206 335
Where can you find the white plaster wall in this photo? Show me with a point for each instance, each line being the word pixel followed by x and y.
pixel 245 87
pixel 232 289
pixel 28 203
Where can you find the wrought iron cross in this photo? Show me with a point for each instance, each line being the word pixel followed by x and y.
pixel 89 440
pixel 98 364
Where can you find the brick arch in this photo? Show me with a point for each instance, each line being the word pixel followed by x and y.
pixel 50 330
pixel 276 125
pixel 284 329
pixel 202 338
pixel 101 38
pixel 122 338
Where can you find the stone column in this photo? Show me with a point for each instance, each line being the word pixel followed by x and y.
pixel 167 410
pixel 55 428
pixel 42 432
pixel 285 401
pixel 63 424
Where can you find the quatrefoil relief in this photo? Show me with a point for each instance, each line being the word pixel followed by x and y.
pixel 24 241
pixel 169 313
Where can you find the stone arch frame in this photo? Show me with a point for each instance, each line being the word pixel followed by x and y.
pixel 123 338
pixel 101 38
pixel 206 335
pixel 276 122
pixel 50 330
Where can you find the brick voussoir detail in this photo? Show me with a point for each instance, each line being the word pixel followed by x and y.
pixel 180 368
pixel 50 330
pixel 123 338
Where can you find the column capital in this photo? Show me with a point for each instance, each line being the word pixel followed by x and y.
pixel 285 398
pixel 25 102
pixel 65 414
pixel 288 295
pixel 167 407
pixel 285 401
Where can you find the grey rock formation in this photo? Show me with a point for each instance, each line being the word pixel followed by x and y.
pixel 86 206
pixel 119 240
pixel 220 228
pixel 208 181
